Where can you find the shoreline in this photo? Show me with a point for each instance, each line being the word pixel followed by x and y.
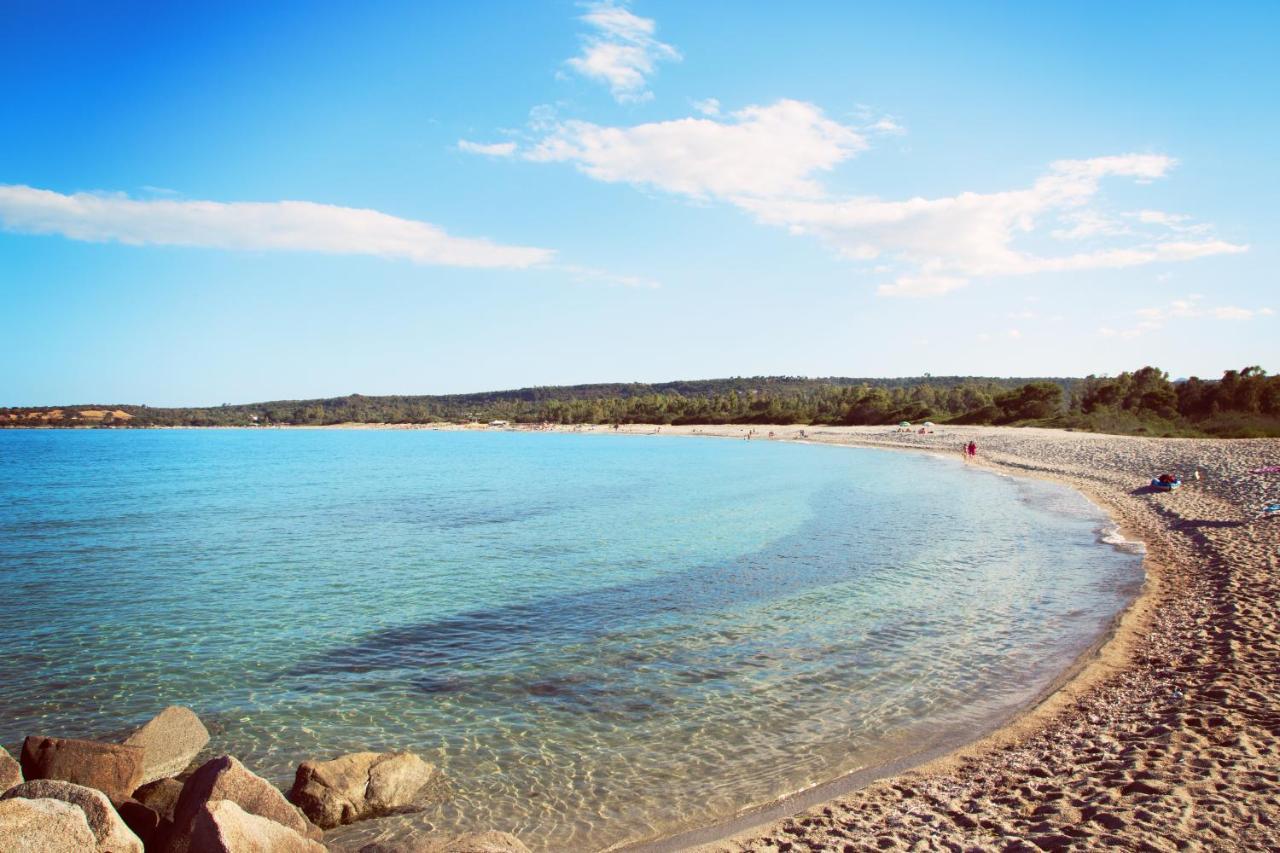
pixel 1159 736
pixel 1089 760
pixel 1103 651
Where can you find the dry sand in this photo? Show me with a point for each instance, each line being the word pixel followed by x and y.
pixel 1168 737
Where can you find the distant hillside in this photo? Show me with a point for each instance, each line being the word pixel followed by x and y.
pixel 1242 403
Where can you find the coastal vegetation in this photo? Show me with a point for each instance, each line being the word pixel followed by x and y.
pixel 1242 403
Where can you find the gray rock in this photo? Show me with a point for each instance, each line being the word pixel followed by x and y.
pixel 470 842
pixel 110 832
pixel 361 785
pixel 112 768
pixel 10 770
pixel 224 778
pixel 170 742
pixel 222 826
pixel 43 826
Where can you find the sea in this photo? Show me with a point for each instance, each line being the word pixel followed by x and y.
pixel 600 639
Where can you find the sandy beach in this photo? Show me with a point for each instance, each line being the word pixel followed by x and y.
pixel 1165 738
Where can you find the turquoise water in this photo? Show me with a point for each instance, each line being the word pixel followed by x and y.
pixel 600 638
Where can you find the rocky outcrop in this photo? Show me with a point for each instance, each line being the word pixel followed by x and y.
pixel 44 826
pixel 225 778
pixel 10 771
pixel 110 832
pixel 361 785
pixel 170 742
pixel 112 768
pixel 471 842
pixel 222 826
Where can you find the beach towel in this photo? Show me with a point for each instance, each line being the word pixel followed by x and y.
pixel 1270 469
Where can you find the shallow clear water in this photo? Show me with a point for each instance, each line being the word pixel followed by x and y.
pixel 600 638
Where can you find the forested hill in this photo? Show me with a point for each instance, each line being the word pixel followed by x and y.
pixel 1241 403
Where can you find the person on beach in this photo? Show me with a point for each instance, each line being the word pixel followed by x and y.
pixel 973 448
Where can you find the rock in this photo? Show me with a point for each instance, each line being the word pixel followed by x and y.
pixel 470 842
pixel 112 768
pixel 225 778
pixel 170 742
pixel 145 823
pixel 110 831
pixel 223 827
pixel 160 796
pixel 43 826
pixel 360 785
pixel 10 771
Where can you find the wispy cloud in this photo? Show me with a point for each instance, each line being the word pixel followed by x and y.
pixel 945 242
pixel 263 226
pixel 490 149
pixel 622 51
pixel 708 107
pixel 594 275
pixel 1156 318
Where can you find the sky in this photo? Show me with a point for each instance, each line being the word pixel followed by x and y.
pixel 256 201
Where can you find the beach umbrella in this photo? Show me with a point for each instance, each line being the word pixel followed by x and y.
pixel 927 423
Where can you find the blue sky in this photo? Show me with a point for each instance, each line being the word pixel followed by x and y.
pixel 261 201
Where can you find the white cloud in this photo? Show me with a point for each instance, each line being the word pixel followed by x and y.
pixel 1231 312
pixel 887 125
pixel 622 51
pixel 760 152
pixel 1155 318
pixel 973 234
pixel 1177 222
pixel 1079 225
pixel 588 275
pixel 280 225
pixel 495 149
pixel 708 107
pixel 925 284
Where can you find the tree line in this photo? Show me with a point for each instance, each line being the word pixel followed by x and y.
pixel 1242 403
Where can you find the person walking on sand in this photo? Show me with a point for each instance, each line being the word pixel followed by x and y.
pixel 973 449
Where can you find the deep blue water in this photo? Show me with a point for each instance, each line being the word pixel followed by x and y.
pixel 599 637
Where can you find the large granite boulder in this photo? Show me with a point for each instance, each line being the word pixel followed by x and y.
pixel 112 768
pixel 223 827
pixel 170 742
pixel 44 826
pixel 111 833
pixel 144 822
pixel 225 778
pixel 470 842
pixel 361 785
pixel 10 770
pixel 160 796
